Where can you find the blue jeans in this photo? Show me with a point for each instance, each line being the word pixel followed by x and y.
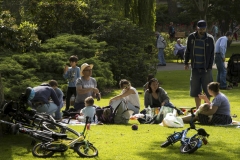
pixel 222 72
pixel 199 80
pixel 161 56
pixel 49 108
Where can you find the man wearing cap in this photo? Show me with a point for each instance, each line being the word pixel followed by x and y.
pixel 85 86
pixel 220 49
pixel 200 51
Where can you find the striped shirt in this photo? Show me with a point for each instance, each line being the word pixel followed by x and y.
pixel 199 50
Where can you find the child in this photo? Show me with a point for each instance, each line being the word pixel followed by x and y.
pixel 54 85
pixel 71 74
pixel 89 110
pixel 204 107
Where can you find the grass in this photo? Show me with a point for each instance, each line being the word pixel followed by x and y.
pixel 119 142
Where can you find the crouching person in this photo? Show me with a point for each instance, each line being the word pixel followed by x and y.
pixel 41 102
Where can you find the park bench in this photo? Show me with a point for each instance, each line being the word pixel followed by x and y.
pixel 180 35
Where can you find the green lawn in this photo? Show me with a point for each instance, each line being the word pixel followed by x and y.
pixel 119 142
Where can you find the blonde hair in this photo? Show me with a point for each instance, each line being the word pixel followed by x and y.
pixel 89 101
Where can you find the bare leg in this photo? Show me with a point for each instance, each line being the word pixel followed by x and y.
pixel 197 101
pixel 187 119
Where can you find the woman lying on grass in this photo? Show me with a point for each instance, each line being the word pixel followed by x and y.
pixel 219 108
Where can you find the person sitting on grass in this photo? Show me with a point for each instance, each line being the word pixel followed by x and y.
pixel 129 95
pixel 89 110
pixel 219 108
pixel 203 108
pixel 155 96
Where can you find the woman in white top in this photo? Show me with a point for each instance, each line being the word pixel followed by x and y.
pixel 129 95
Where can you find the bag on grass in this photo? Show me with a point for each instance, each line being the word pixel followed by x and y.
pixel 172 121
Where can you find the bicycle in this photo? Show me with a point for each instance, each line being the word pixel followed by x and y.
pixel 52 142
pixel 191 144
pixel 20 112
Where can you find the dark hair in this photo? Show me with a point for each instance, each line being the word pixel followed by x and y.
pixel 53 83
pixel 149 85
pixel 122 82
pixel 44 84
pixel 228 33
pixel 89 100
pixel 150 76
pixel 73 58
pixel 214 86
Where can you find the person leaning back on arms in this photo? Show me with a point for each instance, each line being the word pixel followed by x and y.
pixel 200 50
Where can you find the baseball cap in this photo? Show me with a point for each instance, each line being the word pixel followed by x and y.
pixel 201 24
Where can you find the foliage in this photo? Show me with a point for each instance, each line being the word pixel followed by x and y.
pixel 20 38
pixel 125 52
pixel 82 46
pixel 54 16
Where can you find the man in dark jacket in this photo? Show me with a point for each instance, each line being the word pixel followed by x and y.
pixel 200 51
pixel 41 99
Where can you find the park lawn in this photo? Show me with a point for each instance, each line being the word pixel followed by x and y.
pixel 120 142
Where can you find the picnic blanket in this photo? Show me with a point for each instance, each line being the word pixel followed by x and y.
pixel 74 122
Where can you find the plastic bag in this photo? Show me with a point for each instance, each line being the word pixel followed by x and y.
pixel 172 121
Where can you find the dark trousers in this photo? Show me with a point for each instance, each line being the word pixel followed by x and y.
pixel 70 92
pixel 181 53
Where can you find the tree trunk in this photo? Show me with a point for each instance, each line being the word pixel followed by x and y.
pixel 172 8
pixel 1 91
pixel 202 6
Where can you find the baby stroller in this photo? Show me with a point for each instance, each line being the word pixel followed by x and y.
pixel 233 70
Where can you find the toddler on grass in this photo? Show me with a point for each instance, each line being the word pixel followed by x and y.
pixel 89 110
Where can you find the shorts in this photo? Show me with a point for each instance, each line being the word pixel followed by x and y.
pixel 199 80
pixel 217 119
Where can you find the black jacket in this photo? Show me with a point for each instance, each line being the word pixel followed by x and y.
pixel 209 50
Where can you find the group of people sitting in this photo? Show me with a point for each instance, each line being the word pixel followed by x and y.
pixel 121 106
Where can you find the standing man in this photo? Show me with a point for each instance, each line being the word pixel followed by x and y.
pixel 220 49
pixel 215 31
pixel 160 44
pixel 200 50
pixel 171 31
pixel 86 86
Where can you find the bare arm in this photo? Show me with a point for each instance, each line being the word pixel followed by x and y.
pixel 81 90
pixel 205 98
pixel 125 94
pixel 210 111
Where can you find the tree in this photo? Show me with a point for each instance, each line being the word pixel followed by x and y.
pixel 15 37
pixel 1 91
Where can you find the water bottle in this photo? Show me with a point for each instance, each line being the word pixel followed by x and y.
pixel 149 111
